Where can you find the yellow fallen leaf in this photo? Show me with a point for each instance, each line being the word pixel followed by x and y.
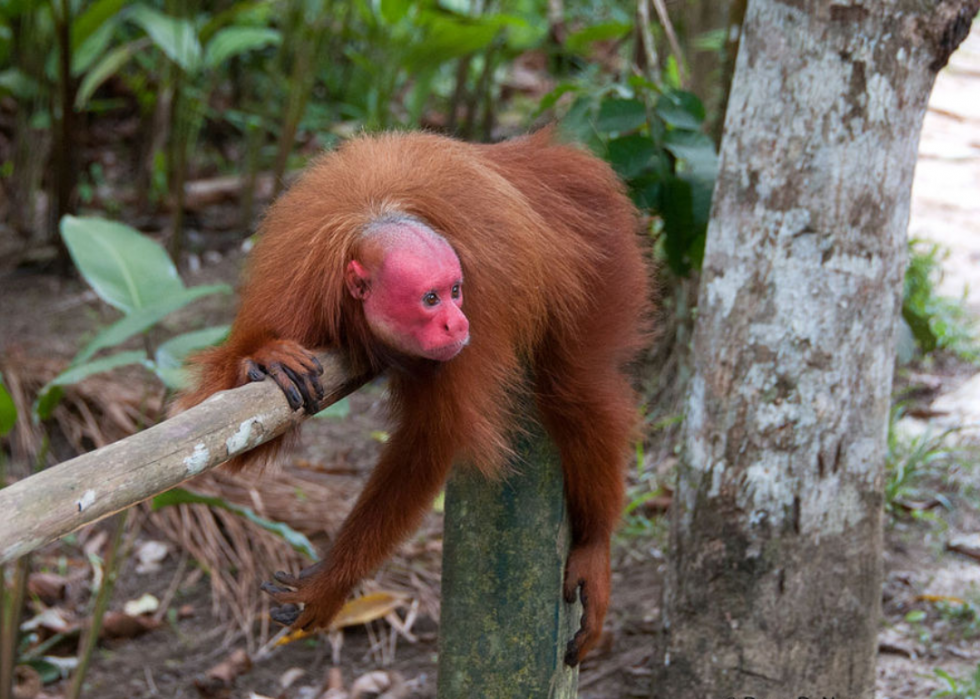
pixel 360 610
pixel 941 598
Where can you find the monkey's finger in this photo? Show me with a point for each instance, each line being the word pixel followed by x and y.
pixel 273 589
pixel 285 578
pixel 309 402
pixel 317 365
pixel 318 387
pixel 286 615
pixel 293 397
pixel 254 371
pixel 572 589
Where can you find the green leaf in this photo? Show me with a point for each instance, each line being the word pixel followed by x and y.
pixel 50 395
pixel 144 318
pixel 696 150
pixel 683 231
pixel 234 41
pixel 93 18
pixel 338 410
pixel 106 68
pixel 647 190
pixel 394 11
pixel 174 36
pixel 76 373
pixel 549 100
pixel 580 41
pixel 680 109
pixel 46 401
pixel 449 37
pixel 93 47
pixel 179 496
pixel 915 616
pixel 18 84
pixel 620 116
pixel 126 269
pixel 171 355
pixel 8 411
pixel 629 155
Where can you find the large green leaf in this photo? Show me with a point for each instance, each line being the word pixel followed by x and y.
pixel 171 355
pixel 145 318
pixel 629 155
pixel 174 36
pixel 680 109
pixel 581 41
pixel 77 372
pixel 620 116
pixel 126 269
pixel 8 411
pixel 106 68
pixel 449 37
pixel 94 46
pixel 234 41
pixel 50 395
pixel 94 17
pixel 696 150
pixel 179 496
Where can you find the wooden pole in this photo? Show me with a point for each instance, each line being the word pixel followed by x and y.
pixel 63 498
pixel 504 625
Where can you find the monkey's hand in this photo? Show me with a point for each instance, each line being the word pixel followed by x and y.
pixel 587 572
pixel 307 601
pixel 294 369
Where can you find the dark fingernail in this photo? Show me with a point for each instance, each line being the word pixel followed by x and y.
pixel 319 367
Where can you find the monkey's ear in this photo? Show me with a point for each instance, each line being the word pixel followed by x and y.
pixel 358 280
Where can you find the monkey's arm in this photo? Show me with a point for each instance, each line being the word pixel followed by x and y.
pixel 401 489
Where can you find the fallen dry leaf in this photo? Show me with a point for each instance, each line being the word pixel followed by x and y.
pixel 218 682
pixel 48 587
pixel 380 684
pixel 122 625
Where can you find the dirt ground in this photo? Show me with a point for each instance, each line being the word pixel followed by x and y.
pixel 50 316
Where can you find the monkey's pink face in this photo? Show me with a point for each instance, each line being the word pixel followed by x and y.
pixel 413 301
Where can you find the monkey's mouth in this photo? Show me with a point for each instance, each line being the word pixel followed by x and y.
pixel 447 352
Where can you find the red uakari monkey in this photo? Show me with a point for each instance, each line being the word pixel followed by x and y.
pixel 472 274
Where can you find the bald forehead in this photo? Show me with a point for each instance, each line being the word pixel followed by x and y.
pixel 400 239
pixel 405 252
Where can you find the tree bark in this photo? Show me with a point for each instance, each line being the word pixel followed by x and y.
pixel 774 584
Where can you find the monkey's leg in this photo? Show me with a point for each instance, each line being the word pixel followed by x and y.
pixel 400 491
pixel 590 416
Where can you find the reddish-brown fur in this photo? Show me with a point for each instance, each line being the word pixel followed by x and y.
pixel 555 292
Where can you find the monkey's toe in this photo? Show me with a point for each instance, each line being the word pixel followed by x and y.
pixel 573 651
pixel 286 615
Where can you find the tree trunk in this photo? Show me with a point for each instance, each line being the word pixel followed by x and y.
pixel 774 583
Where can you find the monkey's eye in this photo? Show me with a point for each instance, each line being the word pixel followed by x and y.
pixel 430 299
pixel 456 290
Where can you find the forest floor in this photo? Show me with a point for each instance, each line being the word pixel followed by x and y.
pixel 931 593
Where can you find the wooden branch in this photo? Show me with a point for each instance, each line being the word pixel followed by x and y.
pixel 63 498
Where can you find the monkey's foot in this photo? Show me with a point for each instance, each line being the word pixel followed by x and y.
pixel 587 573
pixel 302 603
pixel 294 369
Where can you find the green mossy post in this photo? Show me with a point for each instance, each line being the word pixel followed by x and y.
pixel 504 624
